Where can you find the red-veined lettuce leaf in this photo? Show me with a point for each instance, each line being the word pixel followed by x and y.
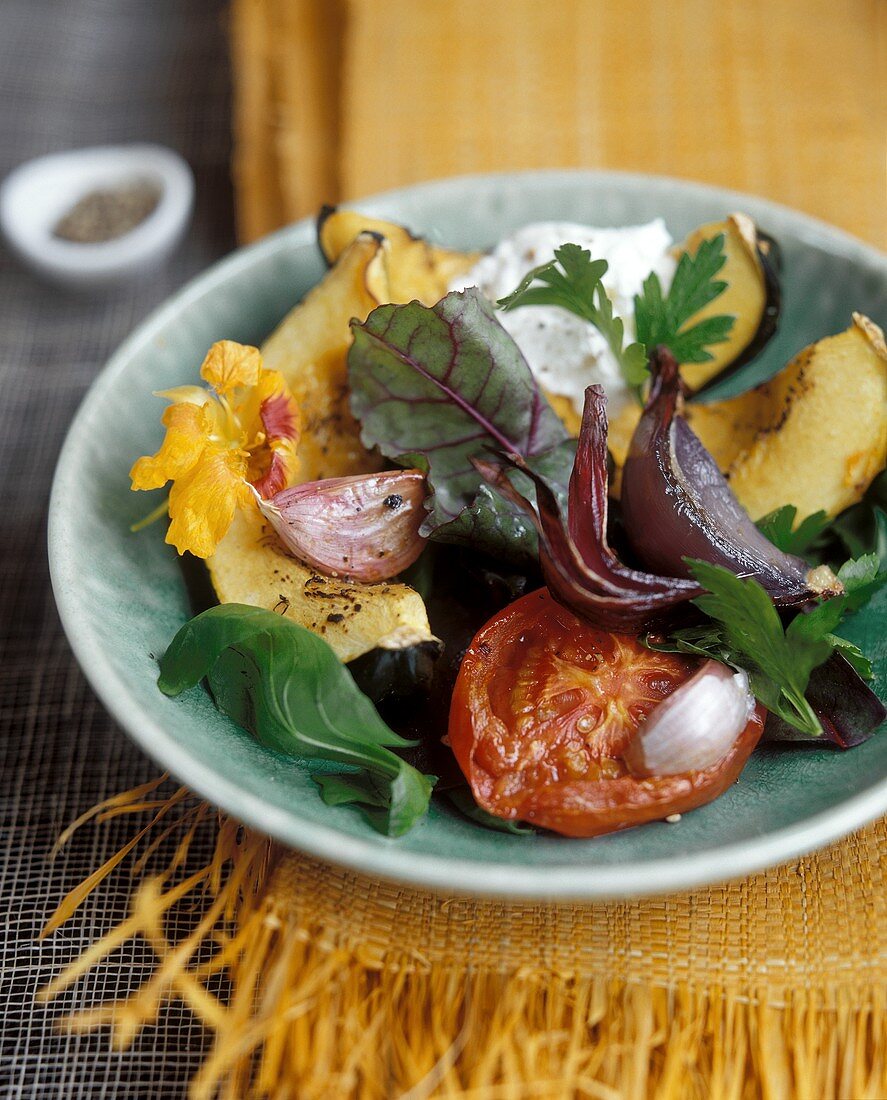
pixel 436 387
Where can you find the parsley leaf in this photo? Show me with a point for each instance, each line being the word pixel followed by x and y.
pixel 862 528
pixel 661 319
pixel 778 527
pixel 861 578
pixel 779 662
pixel 747 632
pixel 572 280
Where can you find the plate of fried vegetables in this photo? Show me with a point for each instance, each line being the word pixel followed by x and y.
pixel 519 535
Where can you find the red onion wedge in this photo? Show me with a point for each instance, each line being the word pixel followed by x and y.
pixel 580 569
pixel 694 727
pixel 677 504
pixel 365 528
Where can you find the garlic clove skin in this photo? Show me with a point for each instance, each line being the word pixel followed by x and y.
pixel 364 528
pixel 694 727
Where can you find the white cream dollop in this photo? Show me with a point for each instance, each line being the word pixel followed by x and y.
pixel 564 352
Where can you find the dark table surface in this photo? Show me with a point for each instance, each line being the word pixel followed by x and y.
pixel 76 73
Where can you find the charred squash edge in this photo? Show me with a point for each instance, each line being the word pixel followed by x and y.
pixel 769 257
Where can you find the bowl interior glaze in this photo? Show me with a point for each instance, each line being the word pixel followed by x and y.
pixel 121 596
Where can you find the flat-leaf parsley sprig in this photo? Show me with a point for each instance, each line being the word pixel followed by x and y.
pixel 573 281
pixel 780 528
pixel 662 319
pixel 746 631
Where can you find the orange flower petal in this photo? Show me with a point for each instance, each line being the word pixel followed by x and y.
pixel 194 395
pixel 203 451
pixel 281 423
pixel 202 502
pixel 276 476
pixel 228 365
pixel 186 436
pixel 278 409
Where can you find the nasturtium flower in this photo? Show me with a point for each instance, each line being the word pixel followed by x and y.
pixel 222 443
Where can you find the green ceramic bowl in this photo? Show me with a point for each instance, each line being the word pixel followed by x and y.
pixel 121 596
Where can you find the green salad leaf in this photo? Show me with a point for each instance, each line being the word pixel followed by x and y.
pixel 661 319
pixel 287 687
pixel 435 387
pixel 463 800
pixel 861 578
pixel 778 526
pixel 779 661
pixel 859 530
pixel 862 528
pixel 573 281
pixel 746 631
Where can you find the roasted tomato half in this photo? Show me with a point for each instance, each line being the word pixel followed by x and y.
pixel 544 709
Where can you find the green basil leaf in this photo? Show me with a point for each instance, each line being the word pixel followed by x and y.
pixel 392 809
pixel 287 687
pixel 463 800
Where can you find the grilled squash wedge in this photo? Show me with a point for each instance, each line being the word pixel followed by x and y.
pixel 822 427
pixel 309 348
pixel 814 436
pixel 416 268
pixel 753 296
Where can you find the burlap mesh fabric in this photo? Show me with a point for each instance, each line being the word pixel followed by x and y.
pixel 73 73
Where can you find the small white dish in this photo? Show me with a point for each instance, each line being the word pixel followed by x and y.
pixel 37 194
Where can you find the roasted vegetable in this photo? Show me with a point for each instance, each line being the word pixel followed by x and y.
pixel 581 570
pixel 823 435
pixel 416 268
pixel 726 428
pixel 249 567
pixel 677 505
pixel 547 711
pixel 815 436
pixel 363 528
pixel 752 296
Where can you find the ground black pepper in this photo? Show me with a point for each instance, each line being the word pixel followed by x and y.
pixel 105 215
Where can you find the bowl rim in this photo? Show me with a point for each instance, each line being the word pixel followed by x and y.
pixel 380 856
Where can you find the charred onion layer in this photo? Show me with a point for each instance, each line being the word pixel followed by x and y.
pixel 676 504
pixel 580 569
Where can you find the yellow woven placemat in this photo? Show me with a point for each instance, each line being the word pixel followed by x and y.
pixel 341 98
pixel 343 986
pixel 778 97
pixel 346 986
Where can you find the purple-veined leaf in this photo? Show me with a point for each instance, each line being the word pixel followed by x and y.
pixel 436 387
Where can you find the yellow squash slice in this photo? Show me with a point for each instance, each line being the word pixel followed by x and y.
pixel 822 427
pixel 814 436
pixel 416 268
pixel 309 348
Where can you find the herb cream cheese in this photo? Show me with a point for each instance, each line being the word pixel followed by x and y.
pixel 564 352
